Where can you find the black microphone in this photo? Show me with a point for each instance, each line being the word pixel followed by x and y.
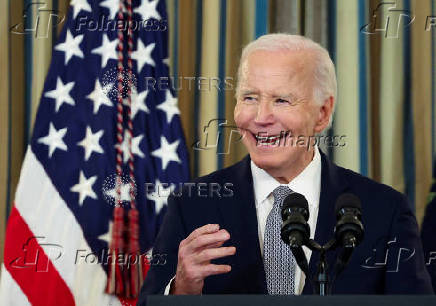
pixel 349 229
pixel 295 231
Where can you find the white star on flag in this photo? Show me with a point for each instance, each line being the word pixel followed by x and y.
pixel 99 95
pixel 79 5
pixel 70 47
pixel 160 195
pixel 135 146
pixel 124 192
pixel 84 187
pixel 61 94
pixel 91 142
pixel 54 140
pixel 167 152
pixel 108 235
pixel 107 50
pixel 142 55
pixel 138 102
pixel 169 106
pixel 147 10
pixel 112 6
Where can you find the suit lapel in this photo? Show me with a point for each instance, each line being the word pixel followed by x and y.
pixel 240 219
pixel 332 185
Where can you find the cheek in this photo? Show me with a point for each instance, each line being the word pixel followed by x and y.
pixel 311 119
pixel 289 119
pixel 298 122
pixel 242 114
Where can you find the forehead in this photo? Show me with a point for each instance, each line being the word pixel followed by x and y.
pixel 277 70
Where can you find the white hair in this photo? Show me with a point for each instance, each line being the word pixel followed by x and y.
pixel 324 71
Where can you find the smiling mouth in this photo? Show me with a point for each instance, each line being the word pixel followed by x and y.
pixel 273 140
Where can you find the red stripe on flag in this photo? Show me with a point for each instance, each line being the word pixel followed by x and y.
pixel 30 266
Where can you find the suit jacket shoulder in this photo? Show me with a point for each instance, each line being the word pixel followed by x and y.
pixel 390 255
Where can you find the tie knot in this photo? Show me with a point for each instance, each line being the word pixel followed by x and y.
pixel 280 193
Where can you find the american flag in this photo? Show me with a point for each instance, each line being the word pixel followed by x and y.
pixel 61 222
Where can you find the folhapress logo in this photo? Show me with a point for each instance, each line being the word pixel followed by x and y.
pixel 388 19
pixel 37 255
pixel 45 18
pixel 217 132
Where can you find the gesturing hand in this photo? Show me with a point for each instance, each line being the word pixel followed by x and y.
pixel 195 254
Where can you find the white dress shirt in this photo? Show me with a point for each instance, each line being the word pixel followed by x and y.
pixel 308 183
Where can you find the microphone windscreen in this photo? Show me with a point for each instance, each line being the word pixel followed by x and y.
pixel 295 200
pixel 347 200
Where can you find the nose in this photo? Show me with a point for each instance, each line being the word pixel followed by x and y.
pixel 264 114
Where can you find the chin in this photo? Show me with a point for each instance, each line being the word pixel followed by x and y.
pixel 266 162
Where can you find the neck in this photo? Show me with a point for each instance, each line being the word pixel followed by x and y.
pixel 285 177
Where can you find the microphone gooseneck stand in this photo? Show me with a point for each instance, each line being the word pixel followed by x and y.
pixel 321 283
pixel 321 280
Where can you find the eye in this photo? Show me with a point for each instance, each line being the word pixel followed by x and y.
pixel 282 101
pixel 248 99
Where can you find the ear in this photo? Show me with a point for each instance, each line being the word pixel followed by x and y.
pixel 324 114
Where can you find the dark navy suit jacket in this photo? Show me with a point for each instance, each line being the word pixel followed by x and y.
pixel 428 232
pixel 389 260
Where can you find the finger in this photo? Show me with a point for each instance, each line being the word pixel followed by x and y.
pixel 205 229
pixel 210 254
pixel 206 239
pixel 212 269
pixel 214 245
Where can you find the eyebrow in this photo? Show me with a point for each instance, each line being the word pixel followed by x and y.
pixel 256 92
pixel 249 92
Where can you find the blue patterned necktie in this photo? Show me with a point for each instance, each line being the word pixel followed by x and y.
pixel 278 259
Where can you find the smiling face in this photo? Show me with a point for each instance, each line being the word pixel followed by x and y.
pixel 275 97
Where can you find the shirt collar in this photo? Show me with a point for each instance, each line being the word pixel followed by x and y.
pixel 308 182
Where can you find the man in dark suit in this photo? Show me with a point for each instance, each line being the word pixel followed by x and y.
pixel 219 245
pixel 428 231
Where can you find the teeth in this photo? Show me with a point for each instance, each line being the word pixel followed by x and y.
pixel 268 140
